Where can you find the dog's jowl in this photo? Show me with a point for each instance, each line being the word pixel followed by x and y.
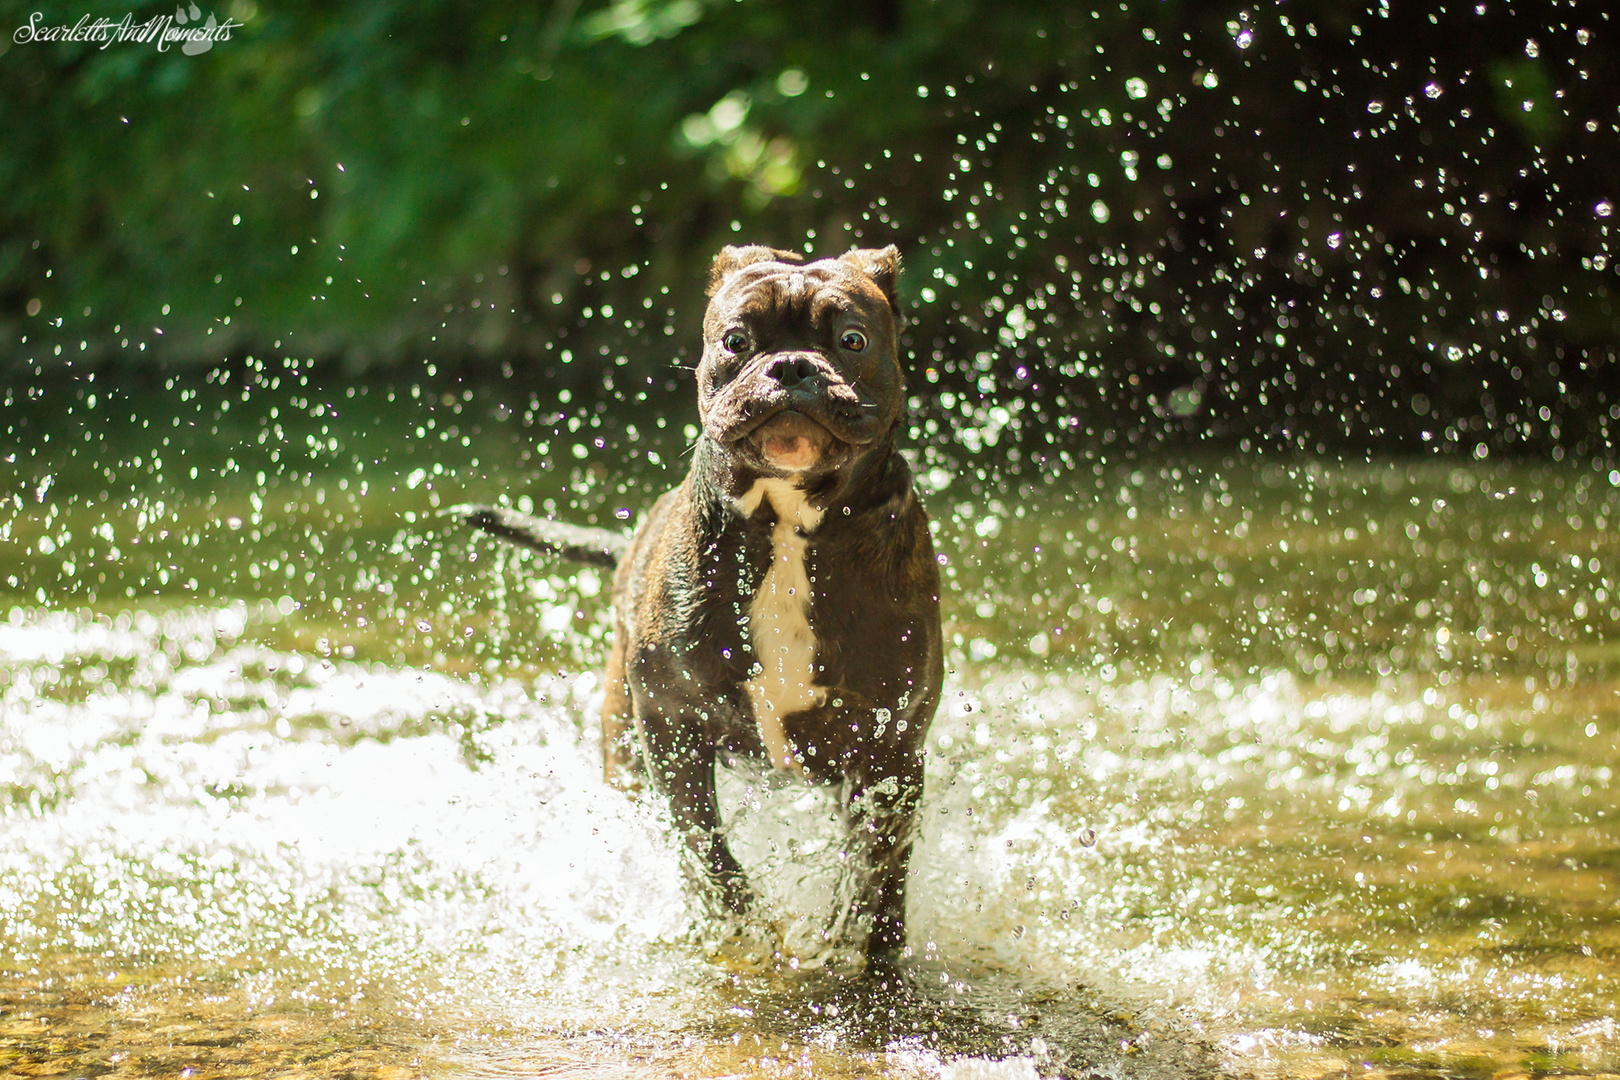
pixel 782 603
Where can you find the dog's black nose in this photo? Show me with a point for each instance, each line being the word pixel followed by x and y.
pixel 789 370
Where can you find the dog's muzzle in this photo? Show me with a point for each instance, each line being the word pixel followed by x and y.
pixel 791 441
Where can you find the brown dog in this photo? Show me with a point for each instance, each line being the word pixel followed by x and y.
pixel 781 604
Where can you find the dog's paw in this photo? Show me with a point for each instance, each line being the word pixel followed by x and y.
pixel 740 945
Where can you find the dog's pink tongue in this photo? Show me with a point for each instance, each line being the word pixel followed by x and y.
pixel 792 441
pixel 791 451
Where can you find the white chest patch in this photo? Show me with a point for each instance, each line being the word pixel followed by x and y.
pixel 778 626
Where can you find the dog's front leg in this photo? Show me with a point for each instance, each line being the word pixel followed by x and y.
pixel 621 758
pixel 884 795
pixel 680 761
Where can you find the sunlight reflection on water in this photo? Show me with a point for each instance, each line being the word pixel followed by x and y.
pixel 1277 766
pixel 1111 873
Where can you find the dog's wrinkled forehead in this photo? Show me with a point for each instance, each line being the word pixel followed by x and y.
pixel 765 283
pixel 792 296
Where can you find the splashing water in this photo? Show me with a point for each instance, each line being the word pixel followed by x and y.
pixel 1271 767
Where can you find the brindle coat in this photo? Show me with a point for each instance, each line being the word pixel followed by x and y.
pixel 684 653
pixel 783 613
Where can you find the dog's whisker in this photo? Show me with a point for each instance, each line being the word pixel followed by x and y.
pixel 712 594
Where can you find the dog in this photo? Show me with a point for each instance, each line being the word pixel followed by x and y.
pixel 782 604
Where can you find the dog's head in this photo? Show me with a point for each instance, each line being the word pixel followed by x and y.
pixel 800 372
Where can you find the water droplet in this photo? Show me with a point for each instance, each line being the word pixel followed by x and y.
pixel 792 83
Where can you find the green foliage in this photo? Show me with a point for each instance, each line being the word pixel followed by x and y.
pixel 1295 222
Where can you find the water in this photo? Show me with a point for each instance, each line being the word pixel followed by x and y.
pixel 1270 766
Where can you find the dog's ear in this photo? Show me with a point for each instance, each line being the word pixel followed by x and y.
pixel 882 265
pixel 732 259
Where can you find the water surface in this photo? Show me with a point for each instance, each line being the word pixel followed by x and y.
pixel 1275 767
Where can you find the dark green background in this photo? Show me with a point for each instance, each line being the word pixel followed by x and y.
pixel 1328 225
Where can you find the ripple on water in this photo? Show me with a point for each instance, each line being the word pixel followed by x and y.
pixel 1131 875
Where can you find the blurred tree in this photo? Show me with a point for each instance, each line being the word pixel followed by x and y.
pixel 1307 224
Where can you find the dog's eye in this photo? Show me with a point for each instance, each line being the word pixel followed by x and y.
pixel 853 340
pixel 734 341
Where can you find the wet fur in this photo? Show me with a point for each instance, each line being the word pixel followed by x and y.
pixel 685 684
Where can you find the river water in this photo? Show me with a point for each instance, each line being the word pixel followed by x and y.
pixel 1249 765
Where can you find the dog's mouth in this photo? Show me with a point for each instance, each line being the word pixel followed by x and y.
pixel 790 441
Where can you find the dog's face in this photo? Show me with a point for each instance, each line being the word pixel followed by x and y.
pixel 800 371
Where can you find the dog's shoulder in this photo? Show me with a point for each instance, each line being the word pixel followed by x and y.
pixel 693 565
